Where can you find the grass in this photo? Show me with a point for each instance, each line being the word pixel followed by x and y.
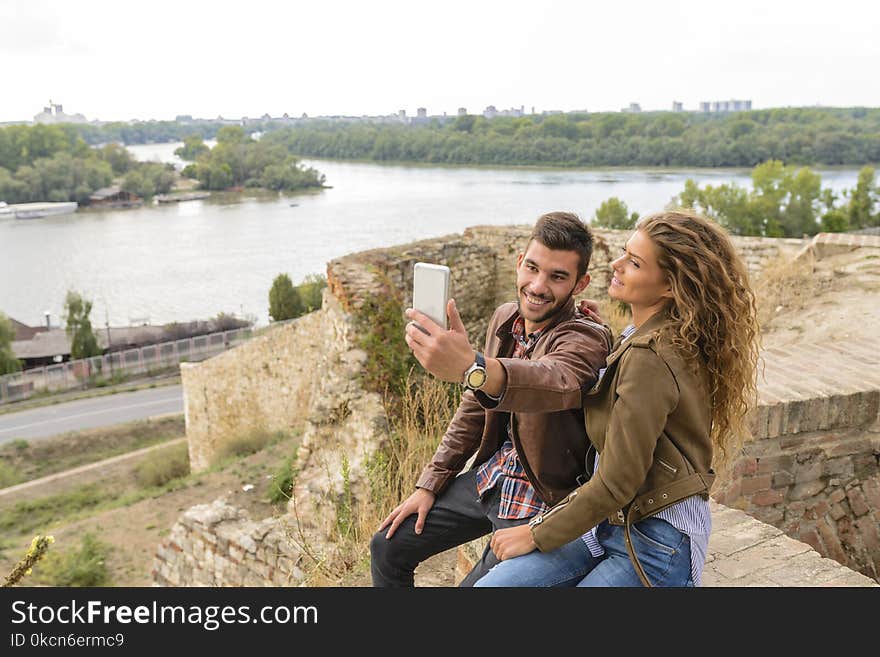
pixel 84 565
pixel 163 466
pixel 282 481
pixel 248 443
pixel 23 461
pixel 784 285
pixel 424 411
pixel 27 516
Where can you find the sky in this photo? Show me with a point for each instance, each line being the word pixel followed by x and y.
pixel 157 59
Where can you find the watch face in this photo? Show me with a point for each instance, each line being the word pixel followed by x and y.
pixel 476 378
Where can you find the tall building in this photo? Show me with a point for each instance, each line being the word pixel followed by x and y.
pixel 677 106
pixel 54 113
pixel 726 106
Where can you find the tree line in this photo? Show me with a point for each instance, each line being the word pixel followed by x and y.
pixel 238 160
pixel 783 201
pixel 54 163
pixel 826 136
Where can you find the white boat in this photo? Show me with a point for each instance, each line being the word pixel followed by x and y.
pixel 35 210
pixel 4 209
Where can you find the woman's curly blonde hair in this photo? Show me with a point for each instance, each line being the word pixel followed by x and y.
pixel 714 316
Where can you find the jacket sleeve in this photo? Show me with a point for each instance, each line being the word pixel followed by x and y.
pixel 459 443
pixel 646 394
pixel 557 380
pixel 464 434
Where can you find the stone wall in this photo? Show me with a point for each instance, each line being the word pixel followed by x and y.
pixel 482 261
pixel 263 385
pixel 813 468
pixel 219 545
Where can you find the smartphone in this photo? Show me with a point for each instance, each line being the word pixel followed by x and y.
pixel 431 290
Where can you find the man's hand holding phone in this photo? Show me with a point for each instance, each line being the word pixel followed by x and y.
pixel 444 353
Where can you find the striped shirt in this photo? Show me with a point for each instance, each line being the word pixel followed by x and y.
pixel 690 516
pixel 518 496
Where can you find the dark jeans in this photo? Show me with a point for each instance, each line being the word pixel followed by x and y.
pixel 458 516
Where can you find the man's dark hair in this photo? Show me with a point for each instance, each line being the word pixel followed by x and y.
pixel 564 231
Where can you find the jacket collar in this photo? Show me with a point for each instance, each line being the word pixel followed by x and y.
pixel 565 313
pixel 653 324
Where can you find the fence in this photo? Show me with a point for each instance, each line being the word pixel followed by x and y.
pixel 140 360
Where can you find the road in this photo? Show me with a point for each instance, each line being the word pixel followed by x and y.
pixel 90 413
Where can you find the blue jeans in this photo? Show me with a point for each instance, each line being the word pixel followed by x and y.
pixel 664 552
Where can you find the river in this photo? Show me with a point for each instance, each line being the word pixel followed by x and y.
pixel 195 259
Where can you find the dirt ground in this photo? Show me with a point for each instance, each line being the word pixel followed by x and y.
pixel 838 300
pixel 842 302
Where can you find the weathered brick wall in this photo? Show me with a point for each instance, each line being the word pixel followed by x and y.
pixel 219 545
pixel 813 468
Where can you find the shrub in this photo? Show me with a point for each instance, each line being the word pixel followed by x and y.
pixel 163 466
pixel 85 566
pixel 281 487
pixel 248 443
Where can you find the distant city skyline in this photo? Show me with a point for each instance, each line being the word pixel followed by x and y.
pixel 111 62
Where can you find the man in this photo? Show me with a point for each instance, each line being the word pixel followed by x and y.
pixel 521 412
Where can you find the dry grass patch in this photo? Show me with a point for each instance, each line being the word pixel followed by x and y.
pixel 22 460
pixel 784 284
pixel 424 412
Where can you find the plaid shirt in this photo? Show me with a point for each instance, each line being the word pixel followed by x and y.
pixel 518 497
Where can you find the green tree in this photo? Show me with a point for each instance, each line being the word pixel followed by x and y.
pixel 193 148
pixel 83 341
pixel 8 361
pixel 117 157
pixel 284 300
pixel 311 292
pixel 834 219
pixel 613 213
pixel 860 211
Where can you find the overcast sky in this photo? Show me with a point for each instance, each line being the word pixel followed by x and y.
pixel 154 60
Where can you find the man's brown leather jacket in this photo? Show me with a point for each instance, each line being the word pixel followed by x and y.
pixel 542 399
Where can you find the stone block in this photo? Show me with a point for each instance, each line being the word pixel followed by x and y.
pixel 865 466
pixel 869 531
pixel 751 485
pixel 811 537
pixel 745 533
pixel 775 418
pixel 767 497
pixel 857 502
pixel 782 480
pixel 809 471
pixel 837 511
pixel 769 514
pixel 775 463
pixel 247 543
pixel 814 414
pixel 806 490
pixel 831 542
pixel 871 489
pixel 745 466
pixel 807 569
pixel 839 467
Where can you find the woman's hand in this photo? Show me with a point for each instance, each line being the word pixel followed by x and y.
pixel 512 542
pixel 590 308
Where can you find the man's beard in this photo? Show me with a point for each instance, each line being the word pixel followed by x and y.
pixel 549 314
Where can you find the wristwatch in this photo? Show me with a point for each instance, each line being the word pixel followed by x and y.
pixel 475 375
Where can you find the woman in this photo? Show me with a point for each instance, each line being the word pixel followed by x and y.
pixel 672 398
